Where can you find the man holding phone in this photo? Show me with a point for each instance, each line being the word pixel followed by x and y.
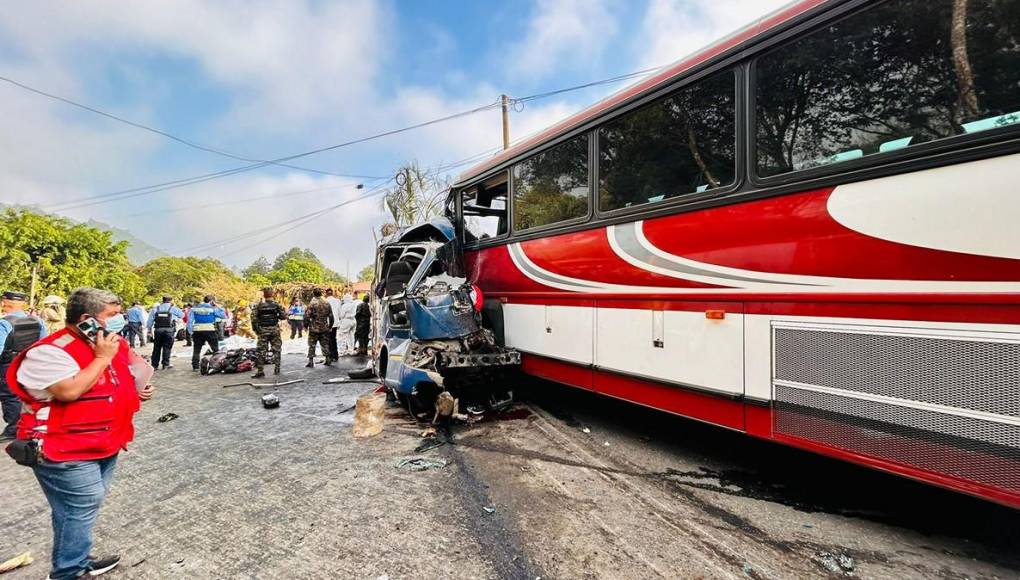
pixel 79 395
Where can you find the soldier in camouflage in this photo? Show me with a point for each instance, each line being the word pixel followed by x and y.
pixel 266 323
pixel 319 324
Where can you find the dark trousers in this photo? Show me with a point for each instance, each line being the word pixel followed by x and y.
pixel 200 338
pixel 334 352
pixel 162 344
pixel 132 330
pixel 11 406
pixel 361 337
pixel 296 328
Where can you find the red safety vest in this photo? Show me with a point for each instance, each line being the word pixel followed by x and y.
pixel 93 426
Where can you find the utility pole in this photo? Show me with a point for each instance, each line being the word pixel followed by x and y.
pixel 505 102
pixel 31 293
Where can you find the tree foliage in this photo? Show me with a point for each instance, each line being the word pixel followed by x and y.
pixel 188 279
pixel 367 274
pixel 294 265
pixel 67 256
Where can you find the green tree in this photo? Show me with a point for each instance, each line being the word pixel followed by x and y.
pixel 296 269
pixel 66 255
pixel 259 267
pixel 188 279
pixel 367 274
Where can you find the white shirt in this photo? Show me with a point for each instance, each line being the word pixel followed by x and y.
pixel 44 366
pixel 334 305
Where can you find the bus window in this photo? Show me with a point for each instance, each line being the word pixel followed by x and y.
pixel 900 73
pixel 680 145
pixel 484 208
pixel 552 187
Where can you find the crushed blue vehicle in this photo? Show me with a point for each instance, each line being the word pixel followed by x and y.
pixel 434 343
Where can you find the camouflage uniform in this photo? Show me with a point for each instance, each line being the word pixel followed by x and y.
pixel 266 322
pixel 319 324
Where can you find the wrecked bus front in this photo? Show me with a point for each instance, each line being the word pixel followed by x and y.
pixel 442 307
pixel 431 324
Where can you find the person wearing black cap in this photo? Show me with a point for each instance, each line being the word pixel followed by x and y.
pixel 162 323
pixel 18 330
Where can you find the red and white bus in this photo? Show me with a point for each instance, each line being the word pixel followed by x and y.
pixel 808 232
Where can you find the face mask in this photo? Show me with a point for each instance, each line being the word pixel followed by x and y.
pixel 116 323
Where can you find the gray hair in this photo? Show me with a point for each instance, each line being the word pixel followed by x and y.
pixel 90 301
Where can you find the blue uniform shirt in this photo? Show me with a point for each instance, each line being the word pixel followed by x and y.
pixel 135 314
pixel 6 328
pixel 174 311
pixel 203 317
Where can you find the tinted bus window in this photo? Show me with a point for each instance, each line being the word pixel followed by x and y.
pixel 484 210
pixel 552 186
pixel 901 73
pixel 680 145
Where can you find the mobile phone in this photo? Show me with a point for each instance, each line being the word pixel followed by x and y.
pixel 91 329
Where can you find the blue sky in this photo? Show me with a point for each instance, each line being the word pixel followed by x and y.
pixel 268 79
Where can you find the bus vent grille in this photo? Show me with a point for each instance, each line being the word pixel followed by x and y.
pixel 947 404
pixel 945 370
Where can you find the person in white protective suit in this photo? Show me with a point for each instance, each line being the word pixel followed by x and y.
pixel 345 329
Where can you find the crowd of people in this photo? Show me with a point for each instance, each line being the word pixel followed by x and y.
pixel 71 382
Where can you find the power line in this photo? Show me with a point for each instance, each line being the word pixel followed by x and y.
pixel 248 199
pixel 616 79
pixel 130 193
pixel 163 133
pixel 377 190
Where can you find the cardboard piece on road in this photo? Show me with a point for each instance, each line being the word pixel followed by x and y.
pixel 368 414
pixel 16 562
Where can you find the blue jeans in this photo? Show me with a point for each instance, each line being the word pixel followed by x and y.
pixel 75 490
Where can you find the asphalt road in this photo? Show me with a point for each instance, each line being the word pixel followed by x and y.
pixel 564 485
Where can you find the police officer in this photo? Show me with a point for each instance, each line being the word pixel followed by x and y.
pixel 202 327
pixel 266 322
pixel 18 330
pixel 162 324
pixel 319 323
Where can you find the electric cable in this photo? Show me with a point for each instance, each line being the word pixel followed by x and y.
pixel 165 134
pixel 377 190
pixel 146 190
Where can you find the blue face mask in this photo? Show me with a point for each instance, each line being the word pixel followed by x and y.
pixel 116 323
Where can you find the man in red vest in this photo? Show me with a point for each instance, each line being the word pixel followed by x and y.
pixel 79 397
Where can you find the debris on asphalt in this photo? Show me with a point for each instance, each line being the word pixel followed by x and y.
pixel 489 509
pixel 260 385
pixel 345 409
pixel 368 414
pixel 270 401
pixel 430 443
pixel 836 563
pixel 428 432
pixel 16 562
pixel 335 380
pixel 168 417
pixel 366 373
pixel 139 563
pixel 420 463
pixel 586 430
pixel 606 444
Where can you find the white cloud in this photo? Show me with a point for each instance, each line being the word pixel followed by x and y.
pixel 562 34
pixel 293 72
pixel 673 29
pixel 296 60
